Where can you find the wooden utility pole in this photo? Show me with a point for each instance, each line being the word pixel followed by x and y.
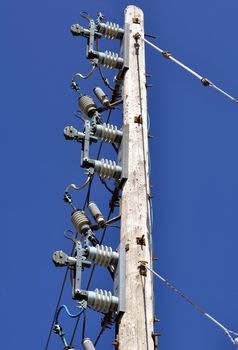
pixel 136 326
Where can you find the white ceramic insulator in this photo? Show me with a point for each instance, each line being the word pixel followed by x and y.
pixel 103 255
pixel 102 300
pixel 107 169
pixel 110 60
pixel 108 133
pixel 111 30
pixel 236 341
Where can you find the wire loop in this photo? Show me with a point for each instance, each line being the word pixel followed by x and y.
pixel 78 188
pixel 84 76
pixel 69 234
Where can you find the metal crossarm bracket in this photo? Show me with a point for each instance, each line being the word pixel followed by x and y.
pixel 119 280
pixel 85 160
pixel 71 133
pixel 108 133
pixel 77 264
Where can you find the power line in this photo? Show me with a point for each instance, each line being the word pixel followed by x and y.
pixel 228 332
pixel 204 81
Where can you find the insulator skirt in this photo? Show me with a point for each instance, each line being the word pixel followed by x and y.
pixel 111 30
pixel 87 105
pixel 80 220
pixel 102 300
pixel 108 133
pixel 110 60
pixel 107 169
pixel 103 255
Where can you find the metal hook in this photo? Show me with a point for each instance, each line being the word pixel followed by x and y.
pixel 69 235
pixel 85 15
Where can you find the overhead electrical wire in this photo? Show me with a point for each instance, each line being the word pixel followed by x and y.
pixel 84 76
pixel 64 307
pixel 227 331
pixel 204 81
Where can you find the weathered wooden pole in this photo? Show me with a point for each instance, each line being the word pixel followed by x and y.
pixel 136 326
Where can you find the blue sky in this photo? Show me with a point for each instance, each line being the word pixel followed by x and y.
pixel 194 166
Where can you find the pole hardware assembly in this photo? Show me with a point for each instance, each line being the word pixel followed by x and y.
pixel 93 131
pixel 95 31
pixel 81 221
pixel 98 300
pixel 87 251
pixel 108 133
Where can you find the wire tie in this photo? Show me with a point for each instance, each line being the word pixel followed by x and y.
pixel 166 54
pixel 205 82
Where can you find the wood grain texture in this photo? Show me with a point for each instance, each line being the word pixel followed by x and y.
pixel 136 325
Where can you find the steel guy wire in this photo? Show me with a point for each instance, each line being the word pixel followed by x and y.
pixel 204 81
pixel 227 331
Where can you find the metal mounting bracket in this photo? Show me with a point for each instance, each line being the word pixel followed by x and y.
pixel 119 281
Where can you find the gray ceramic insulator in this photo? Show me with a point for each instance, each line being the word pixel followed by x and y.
pixel 108 133
pixel 102 255
pixel 111 30
pixel 102 300
pixel 110 60
pixel 87 106
pixel 107 169
pixel 80 220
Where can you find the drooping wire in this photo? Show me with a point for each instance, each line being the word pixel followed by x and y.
pixel 195 306
pixel 106 185
pixel 84 76
pixel 64 307
pixel 57 305
pixel 204 81
pixel 78 188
